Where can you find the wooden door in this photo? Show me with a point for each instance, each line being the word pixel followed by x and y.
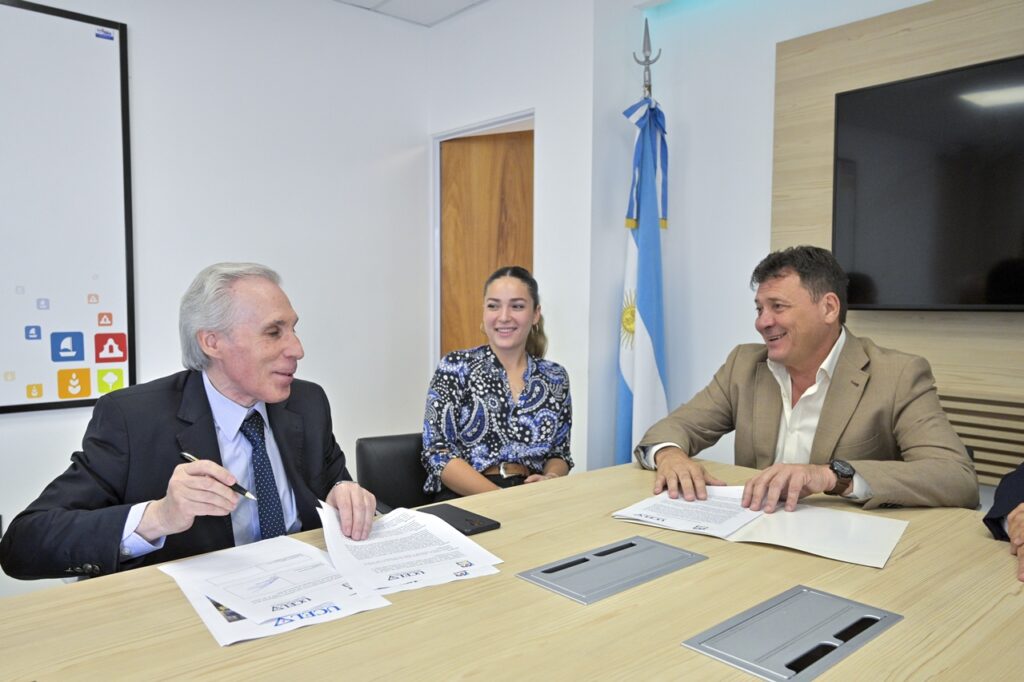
pixel 486 223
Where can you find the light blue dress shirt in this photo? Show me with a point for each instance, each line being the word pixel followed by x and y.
pixel 236 457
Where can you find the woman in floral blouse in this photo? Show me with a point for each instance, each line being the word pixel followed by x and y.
pixel 500 414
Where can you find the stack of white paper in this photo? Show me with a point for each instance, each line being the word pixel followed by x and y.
pixel 281 584
pixel 406 550
pixel 846 536
pixel 267 587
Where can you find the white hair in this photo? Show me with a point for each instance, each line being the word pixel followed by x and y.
pixel 208 305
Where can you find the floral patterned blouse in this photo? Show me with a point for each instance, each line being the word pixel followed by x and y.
pixel 470 414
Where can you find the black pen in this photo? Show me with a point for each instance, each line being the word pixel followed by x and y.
pixel 237 488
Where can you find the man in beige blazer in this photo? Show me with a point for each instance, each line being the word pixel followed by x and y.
pixel 817 408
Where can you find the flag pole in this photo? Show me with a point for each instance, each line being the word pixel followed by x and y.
pixel 641 395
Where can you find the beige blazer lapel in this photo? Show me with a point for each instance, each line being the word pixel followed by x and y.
pixel 767 415
pixel 844 393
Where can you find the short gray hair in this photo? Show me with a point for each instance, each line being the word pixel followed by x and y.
pixel 209 305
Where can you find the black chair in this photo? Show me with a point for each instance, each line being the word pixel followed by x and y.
pixel 390 468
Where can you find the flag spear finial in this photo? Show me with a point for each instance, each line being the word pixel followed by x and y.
pixel 647 61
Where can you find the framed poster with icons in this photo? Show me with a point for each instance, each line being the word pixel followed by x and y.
pixel 66 298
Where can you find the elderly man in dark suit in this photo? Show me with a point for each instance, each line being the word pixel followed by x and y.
pixel 129 497
pixel 1006 517
pixel 817 408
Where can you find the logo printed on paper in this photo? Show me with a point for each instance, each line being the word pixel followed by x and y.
pixel 34 391
pixel 42 304
pixel 92 299
pixel 33 332
pixel 111 347
pixel 306 615
pixel 284 606
pixel 73 383
pixel 108 380
pixel 104 319
pixel 67 346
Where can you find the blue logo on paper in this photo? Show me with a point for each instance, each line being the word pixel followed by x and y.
pixel 67 346
pixel 105 34
pixel 33 332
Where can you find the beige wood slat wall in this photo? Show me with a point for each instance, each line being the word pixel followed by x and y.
pixel 978 357
pixel 993 429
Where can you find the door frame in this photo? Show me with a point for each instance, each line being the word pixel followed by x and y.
pixel 509 123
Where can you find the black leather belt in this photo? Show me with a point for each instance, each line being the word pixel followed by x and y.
pixel 507 470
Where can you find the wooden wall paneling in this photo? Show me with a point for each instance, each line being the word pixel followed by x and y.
pixel 994 429
pixel 975 355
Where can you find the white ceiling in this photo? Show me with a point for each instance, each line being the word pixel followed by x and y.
pixel 422 12
pixel 431 12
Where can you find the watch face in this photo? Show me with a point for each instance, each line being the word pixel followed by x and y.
pixel 842 469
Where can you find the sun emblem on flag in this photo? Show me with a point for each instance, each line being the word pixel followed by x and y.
pixel 628 320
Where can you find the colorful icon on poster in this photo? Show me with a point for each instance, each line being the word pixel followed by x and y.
pixel 33 332
pixel 67 346
pixel 73 383
pixel 108 380
pixel 33 391
pixel 105 319
pixel 111 347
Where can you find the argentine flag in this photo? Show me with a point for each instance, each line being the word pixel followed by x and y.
pixel 641 395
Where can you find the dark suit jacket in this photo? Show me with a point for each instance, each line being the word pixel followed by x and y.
pixel 1009 494
pixel 881 414
pixel 129 452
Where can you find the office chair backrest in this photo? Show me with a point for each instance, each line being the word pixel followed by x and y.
pixel 390 468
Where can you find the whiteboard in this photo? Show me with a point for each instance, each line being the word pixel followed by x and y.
pixel 66 300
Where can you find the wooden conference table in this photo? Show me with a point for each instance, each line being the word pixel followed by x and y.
pixel 963 607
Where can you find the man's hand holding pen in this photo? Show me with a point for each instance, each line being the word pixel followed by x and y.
pixel 199 488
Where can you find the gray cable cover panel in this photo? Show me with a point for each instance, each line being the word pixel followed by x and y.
pixel 797 635
pixel 602 572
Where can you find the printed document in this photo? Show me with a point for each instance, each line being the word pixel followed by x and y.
pixel 267 587
pixel 406 550
pixel 852 537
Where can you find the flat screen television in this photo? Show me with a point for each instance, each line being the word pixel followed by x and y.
pixel 928 190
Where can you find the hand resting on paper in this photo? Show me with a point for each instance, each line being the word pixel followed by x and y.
pixel 786 483
pixel 677 473
pixel 356 507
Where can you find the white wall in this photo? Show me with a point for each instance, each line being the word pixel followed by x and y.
pixel 716 83
pixel 290 132
pixel 297 133
pixel 571 61
pixel 508 56
pixel 618 83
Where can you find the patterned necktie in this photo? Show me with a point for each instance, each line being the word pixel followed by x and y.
pixel 268 501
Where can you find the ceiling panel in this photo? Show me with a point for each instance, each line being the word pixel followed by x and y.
pixel 422 12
